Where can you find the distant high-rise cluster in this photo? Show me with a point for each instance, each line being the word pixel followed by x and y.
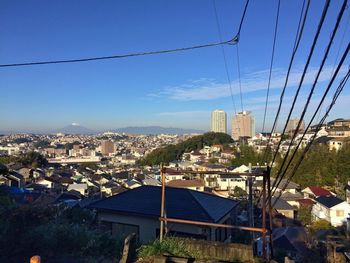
pixel 292 125
pixel 219 121
pixel 243 125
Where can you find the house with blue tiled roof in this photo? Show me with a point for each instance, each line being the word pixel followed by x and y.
pixel 331 208
pixel 138 211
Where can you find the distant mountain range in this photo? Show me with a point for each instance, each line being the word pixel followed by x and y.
pixel 155 130
pixel 75 128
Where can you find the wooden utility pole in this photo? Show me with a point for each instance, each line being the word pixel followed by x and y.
pixel 264 217
pixel 162 202
pixel 269 207
pixel 250 199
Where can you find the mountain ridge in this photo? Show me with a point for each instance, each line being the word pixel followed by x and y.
pixel 155 130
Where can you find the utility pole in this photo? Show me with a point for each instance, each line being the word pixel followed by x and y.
pixel 250 201
pixel 270 208
pixel 162 203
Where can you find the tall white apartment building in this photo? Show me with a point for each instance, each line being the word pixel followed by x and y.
pixel 243 125
pixel 219 121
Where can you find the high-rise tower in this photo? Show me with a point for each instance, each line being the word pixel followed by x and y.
pixel 219 121
pixel 243 125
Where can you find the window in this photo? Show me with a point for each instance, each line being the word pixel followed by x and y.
pixel 339 213
pixel 223 180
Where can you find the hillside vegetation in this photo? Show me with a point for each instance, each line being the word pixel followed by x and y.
pixel 173 152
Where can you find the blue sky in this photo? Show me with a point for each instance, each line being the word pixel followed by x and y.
pixel 178 89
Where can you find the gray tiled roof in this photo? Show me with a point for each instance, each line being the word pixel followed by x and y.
pixel 180 203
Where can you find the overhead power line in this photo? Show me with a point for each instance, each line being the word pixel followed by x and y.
pixel 300 30
pixel 318 108
pixel 338 52
pixel 239 78
pixel 314 42
pixel 231 41
pixel 271 63
pixel 306 149
pixel 224 56
pixel 336 26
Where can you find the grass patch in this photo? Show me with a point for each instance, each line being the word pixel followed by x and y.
pixel 170 245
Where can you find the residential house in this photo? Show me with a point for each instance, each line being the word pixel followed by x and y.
pixel 172 174
pixel 332 209
pixel 339 131
pixel 228 182
pixel 337 143
pixel 27 173
pixel 192 184
pixel 196 156
pixel 82 188
pixel 283 207
pixel 292 199
pixel 132 183
pixel 241 169
pixel 313 192
pixel 292 240
pixel 150 181
pixel 347 191
pixel 13 179
pixel 138 211
pixel 284 186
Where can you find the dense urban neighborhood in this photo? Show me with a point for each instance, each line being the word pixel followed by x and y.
pixel 102 188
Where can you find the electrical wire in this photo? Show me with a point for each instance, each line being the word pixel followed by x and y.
pixel 239 78
pixel 319 125
pixel 319 27
pixel 337 56
pixel 224 55
pixel 231 41
pixel 271 64
pixel 301 25
pixel 340 15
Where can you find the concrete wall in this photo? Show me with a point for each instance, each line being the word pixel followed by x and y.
pixel 148 227
pixel 222 251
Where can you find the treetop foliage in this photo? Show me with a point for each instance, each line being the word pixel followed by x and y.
pixel 173 152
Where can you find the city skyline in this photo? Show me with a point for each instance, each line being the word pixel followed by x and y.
pixel 169 90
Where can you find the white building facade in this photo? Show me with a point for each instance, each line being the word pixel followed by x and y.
pixel 219 121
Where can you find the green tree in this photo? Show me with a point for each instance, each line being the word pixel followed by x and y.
pixel 174 152
pixel 320 225
pixel 238 192
pixel 245 155
pixel 33 159
pixel 304 215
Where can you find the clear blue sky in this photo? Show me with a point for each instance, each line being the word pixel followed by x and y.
pixel 178 90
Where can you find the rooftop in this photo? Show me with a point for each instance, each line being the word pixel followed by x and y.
pixel 181 203
pixel 329 201
pixel 186 183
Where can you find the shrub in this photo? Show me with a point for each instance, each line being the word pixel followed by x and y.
pixel 170 245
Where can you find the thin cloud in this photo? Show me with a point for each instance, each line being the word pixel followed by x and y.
pixel 184 114
pixel 207 89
